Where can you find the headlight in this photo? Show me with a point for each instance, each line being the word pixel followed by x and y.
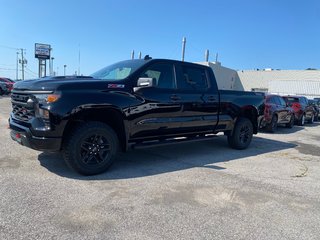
pixel 42 99
pixel 47 98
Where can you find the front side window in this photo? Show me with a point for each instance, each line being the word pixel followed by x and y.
pixel 276 100
pixel 162 73
pixel 282 102
pixel 304 101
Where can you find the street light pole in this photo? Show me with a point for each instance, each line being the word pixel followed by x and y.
pixel 64 70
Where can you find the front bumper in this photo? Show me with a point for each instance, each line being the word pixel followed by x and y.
pixel 24 136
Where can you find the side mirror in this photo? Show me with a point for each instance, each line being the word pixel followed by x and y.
pixel 146 82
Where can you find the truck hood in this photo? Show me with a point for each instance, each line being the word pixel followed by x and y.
pixel 61 83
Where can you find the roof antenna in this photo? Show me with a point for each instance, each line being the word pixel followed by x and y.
pixel 147 57
pixel 184 40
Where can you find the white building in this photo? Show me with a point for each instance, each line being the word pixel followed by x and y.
pixel 227 78
pixel 282 82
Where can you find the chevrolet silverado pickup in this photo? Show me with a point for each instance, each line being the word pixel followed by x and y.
pixel 130 104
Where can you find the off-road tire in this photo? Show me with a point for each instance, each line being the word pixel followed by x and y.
pixel 91 148
pixel 242 134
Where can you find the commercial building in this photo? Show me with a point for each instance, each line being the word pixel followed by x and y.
pixel 282 82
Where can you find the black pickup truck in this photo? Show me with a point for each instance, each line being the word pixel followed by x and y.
pixel 130 104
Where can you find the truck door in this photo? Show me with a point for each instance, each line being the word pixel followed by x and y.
pixel 199 98
pixel 160 111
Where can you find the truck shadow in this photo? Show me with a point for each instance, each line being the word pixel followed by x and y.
pixel 165 159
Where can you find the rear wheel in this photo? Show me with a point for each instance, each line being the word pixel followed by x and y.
pixel 1 92
pixel 272 127
pixel 91 148
pixel 242 134
pixel 291 123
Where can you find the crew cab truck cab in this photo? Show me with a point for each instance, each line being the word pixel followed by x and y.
pixel 130 104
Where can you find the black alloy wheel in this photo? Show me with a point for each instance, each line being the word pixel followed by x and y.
pixel 242 134
pixel 91 148
pixel 95 149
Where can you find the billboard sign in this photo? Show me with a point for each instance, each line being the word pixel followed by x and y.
pixel 42 51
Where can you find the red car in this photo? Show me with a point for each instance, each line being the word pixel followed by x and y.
pixel 9 84
pixel 276 112
pixel 302 110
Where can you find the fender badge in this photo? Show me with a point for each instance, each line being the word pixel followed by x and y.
pixel 112 85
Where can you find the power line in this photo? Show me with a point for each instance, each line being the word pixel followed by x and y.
pixel 8 69
pixel 3 46
pixel 6 65
pixel 31 72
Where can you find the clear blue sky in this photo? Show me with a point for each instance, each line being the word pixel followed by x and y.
pixel 280 34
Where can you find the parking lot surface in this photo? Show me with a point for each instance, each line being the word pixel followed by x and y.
pixel 202 190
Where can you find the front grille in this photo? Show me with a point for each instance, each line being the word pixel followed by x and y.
pixel 21 108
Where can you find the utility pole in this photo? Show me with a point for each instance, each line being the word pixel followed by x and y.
pixel 22 63
pixel 17 67
pixel 64 69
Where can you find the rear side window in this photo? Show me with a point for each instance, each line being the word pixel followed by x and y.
pixel 193 78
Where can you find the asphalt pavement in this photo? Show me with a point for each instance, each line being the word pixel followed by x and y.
pixel 202 190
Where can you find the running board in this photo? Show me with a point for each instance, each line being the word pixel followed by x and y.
pixel 170 141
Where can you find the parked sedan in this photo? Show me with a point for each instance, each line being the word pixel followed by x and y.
pixel 302 110
pixel 276 112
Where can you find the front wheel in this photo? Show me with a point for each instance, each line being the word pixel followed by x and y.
pixel 91 148
pixel 301 120
pixel 242 134
pixel 291 123
pixel 312 119
pixel 272 127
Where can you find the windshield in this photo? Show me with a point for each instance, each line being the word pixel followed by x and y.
pixel 118 71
